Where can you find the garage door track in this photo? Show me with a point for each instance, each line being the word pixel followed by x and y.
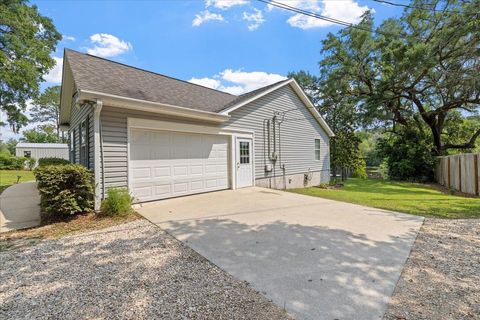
pixel 318 258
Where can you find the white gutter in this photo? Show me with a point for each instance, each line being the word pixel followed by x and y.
pixel 98 154
pixel 148 106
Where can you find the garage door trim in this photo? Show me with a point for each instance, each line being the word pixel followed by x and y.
pixel 148 124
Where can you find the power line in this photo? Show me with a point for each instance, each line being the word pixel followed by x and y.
pixel 317 16
pixel 414 7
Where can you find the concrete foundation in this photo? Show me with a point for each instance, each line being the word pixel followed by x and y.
pixel 301 180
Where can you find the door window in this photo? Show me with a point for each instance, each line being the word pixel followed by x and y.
pixel 244 152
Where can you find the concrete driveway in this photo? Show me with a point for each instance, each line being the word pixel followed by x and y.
pixel 318 258
pixel 19 207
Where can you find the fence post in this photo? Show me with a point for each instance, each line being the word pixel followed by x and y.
pixel 475 176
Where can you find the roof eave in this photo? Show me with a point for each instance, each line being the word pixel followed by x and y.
pixel 149 106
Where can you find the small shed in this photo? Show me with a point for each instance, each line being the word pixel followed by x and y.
pixel 42 150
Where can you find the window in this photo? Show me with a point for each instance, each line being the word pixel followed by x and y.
pixel 244 152
pixel 72 145
pixel 27 154
pixel 84 143
pixel 317 149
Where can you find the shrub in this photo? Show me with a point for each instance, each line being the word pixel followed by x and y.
pixel 360 170
pixel 31 162
pixel 118 202
pixel 52 162
pixel 12 163
pixel 409 155
pixel 383 169
pixel 64 190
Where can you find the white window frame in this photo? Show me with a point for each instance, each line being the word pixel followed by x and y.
pixel 315 149
pixel 72 145
pixel 83 143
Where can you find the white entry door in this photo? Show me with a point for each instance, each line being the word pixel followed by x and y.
pixel 165 164
pixel 244 163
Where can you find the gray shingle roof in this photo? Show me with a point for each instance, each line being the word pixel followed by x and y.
pixel 250 94
pixel 105 76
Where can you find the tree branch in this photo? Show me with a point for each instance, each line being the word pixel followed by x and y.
pixel 468 145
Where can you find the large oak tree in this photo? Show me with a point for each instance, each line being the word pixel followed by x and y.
pixel 419 71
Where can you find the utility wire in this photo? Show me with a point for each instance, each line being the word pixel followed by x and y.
pixel 415 7
pixel 317 16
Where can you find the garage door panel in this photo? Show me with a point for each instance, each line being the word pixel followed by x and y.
pixel 167 164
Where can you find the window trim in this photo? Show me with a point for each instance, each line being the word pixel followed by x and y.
pixel 83 141
pixel 72 145
pixel 315 149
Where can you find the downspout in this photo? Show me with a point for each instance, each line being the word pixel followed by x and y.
pixel 98 152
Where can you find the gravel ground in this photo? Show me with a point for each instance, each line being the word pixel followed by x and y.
pixel 441 279
pixel 130 271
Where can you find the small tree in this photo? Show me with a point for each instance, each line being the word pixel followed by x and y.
pixel 41 134
pixel 46 108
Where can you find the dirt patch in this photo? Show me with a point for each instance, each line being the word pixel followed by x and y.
pixel 442 275
pixel 55 230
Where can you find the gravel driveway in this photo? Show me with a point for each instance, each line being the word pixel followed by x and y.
pixel 441 279
pixel 130 271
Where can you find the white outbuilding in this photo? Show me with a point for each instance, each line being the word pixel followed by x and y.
pixel 42 150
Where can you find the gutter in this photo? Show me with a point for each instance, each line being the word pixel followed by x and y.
pixel 148 106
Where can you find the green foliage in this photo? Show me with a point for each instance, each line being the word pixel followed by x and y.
pixel 368 147
pixel 4 151
pixel 409 156
pixel 11 145
pixel 360 169
pixel 27 40
pixel 41 134
pixel 383 169
pixel 42 162
pixel 118 202
pixel 12 163
pixel 414 71
pixel 46 108
pixel 30 163
pixel 344 152
pixel 64 190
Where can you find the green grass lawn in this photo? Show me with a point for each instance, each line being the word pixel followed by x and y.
pixel 406 197
pixel 9 177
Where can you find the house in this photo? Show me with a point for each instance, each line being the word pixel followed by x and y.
pixel 42 150
pixel 162 137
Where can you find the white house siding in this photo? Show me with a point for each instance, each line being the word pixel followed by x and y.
pixel 43 152
pixel 114 139
pixel 78 115
pixel 297 134
pixel 297 138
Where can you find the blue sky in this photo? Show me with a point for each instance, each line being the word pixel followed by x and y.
pixel 231 45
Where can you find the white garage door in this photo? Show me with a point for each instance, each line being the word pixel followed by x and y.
pixel 166 164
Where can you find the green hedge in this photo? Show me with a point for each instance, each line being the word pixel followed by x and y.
pixel 64 190
pixel 52 162
pixel 12 163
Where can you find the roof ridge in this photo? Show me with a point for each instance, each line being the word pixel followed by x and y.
pixel 149 71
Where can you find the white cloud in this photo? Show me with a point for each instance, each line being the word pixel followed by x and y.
pixel 224 4
pixel 55 75
pixel 255 19
pixel 107 45
pixel 69 38
pixel 237 81
pixel 346 10
pixel 205 16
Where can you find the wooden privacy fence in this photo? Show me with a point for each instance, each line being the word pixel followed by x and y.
pixel 460 172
